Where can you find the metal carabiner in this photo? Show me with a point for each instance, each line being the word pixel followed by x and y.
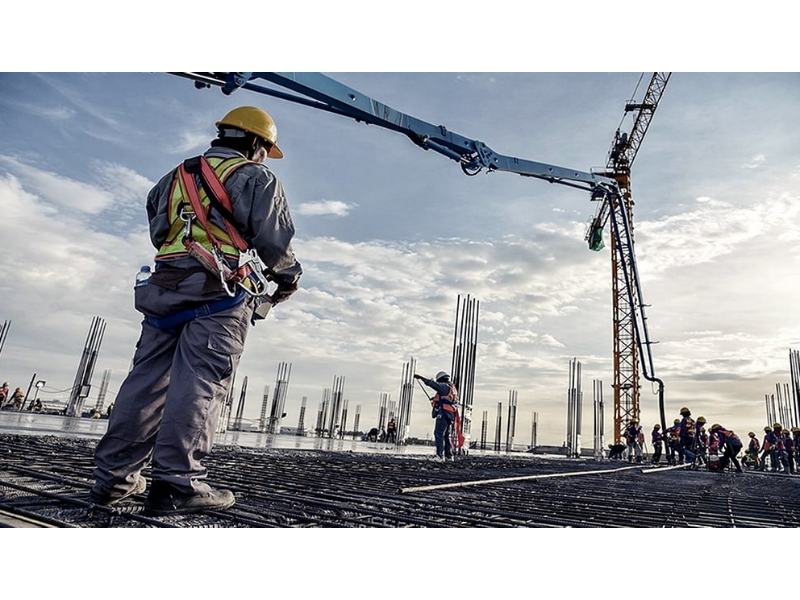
pixel 187 216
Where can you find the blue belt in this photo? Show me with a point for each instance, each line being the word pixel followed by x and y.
pixel 171 322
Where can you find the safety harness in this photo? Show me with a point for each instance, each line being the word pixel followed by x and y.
pixel 247 278
pixel 248 274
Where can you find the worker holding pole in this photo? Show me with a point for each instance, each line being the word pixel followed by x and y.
pixel 443 409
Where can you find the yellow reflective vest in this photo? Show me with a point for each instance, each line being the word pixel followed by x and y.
pixel 173 247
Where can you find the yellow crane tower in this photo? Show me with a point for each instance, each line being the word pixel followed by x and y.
pixel 618 167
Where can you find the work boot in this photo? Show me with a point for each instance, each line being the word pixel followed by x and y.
pixel 106 499
pixel 164 500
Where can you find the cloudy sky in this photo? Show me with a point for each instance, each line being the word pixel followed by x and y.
pixel 390 236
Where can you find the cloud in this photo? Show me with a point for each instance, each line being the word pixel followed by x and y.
pixel 755 161
pixel 325 207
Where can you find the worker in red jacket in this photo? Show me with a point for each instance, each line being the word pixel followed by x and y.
pixel 730 444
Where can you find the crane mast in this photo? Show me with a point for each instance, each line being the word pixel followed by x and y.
pixel 623 152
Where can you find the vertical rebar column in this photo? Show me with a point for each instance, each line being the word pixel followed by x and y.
pixel 237 423
pixel 262 418
pixel 512 420
pixel 322 415
pixel 770 418
pixel 383 408
pixel 301 426
pixel 336 405
pixel 279 397
pixel 794 370
pixel 357 420
pixel 101 395
pixel 599 418
pixel 574 409
pixel 406 401
pixel 83 377
pixel 3 333
pixel 499 428
pixel 484 428
pixel 534 429
pixel 343 428
pixel 465 344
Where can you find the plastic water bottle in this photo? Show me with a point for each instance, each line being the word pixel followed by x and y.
pixel 143 276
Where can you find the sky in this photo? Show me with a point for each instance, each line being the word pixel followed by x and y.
pixel 390 236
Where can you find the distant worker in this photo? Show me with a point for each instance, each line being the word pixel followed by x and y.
pixel 38 406
pixel 671 441
pixel 3 394
pixel 796 446
pixel 729 444
pixel 632 439
pixel 657 441
pixel 768 450
pixel 17 399
pixel 701 442
pixel 616 451
pixel 782 458
pixel 222 227
pixel 372 435
pixel 774 448
pixel 443 409
pixel 752 450
pixel 391 432
pixel 788 446
pixel 686 431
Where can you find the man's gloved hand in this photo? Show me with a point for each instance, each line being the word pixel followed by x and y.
pixel 418 376
pixel 283 292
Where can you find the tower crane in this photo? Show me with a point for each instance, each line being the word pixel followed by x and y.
pixel 627 347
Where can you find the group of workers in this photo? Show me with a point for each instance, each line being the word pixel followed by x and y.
pixel 16 401
pixel 715 448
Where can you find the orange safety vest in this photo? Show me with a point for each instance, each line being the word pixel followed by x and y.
pixel 447 401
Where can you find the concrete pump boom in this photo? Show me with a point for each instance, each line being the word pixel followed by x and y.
pixel 610 188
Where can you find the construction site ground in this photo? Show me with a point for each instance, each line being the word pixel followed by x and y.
pixel 45 482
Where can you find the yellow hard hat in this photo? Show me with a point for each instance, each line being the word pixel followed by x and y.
pixel 701 419
pixel 684 410
pixel 795 429
pixel 767 428
pixel 752 434
pixel 656 426
pixel 715 426
pixel 254 120
pixel 777 426
pixel 676 421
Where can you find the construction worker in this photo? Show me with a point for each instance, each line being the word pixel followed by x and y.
pixel 391 432
pixel 633 437
pixel 780 447
pixel 197 316
pixel 701 443
pixel 17 399
pixel 730 444
pixel 657 441
pixel 672 442
pixel 443 409
pixel 788 446
pixel 616 451
pixel 686 430
pixel 774 448
pixel 768 450
pixel 752 449
pixel 796 446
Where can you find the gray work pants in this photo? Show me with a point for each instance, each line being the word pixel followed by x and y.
pixel 167 409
